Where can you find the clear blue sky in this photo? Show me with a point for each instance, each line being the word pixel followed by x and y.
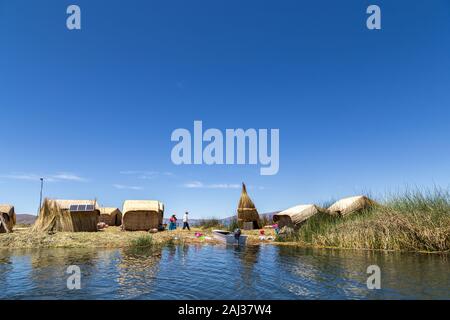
pixel 93 110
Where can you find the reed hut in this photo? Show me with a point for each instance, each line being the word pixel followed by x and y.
pixel 7 218
pixel 294 217
pixel 110 216
pixel 142 215
pixel 246 210
pixel 350 205
pixel 68 216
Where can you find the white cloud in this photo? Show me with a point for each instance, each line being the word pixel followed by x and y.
pixel 146 175
pixel 193 184
pixel 21 176
pixel 61 176
pixel 201 185
pixel 121 186
pixel 224 186
pixel 134 172
pixel 67 176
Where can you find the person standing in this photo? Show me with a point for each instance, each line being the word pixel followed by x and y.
pixel 173 222
pixel 186 221
pixel 237 235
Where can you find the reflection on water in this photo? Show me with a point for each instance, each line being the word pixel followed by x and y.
pixel 248 258
pixel 136 272
pixel 215 272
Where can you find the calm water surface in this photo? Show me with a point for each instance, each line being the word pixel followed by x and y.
pixel 215 272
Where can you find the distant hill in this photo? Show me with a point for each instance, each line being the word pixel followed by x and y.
pixel 268 215
pixel 29 219
pixel 224 221
pixel 25 219
pixel 192 222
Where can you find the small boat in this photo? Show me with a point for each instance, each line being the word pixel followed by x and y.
pixel 228 237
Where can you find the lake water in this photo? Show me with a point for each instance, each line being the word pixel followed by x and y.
pixel 217 272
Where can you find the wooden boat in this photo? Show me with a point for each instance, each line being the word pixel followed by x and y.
pixel 228 237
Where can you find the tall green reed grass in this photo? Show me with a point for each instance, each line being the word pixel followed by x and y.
pixel 417 220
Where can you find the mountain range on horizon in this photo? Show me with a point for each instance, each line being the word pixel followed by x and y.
pixel 29 219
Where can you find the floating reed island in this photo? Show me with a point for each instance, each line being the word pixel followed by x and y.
pixel 413 221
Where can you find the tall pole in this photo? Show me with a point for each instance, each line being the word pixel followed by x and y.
pixel 40 198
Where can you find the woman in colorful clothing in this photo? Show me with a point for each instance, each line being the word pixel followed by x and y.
pixel 173 222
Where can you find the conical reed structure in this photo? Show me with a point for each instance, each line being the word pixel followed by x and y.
pixel 246 210
pixel 56 215
pixel 51 218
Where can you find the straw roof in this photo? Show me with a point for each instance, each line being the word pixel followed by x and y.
pixel 349 205
pixel 109 210
pixel 7 218
pixel 142 205
pixel 245 202
pixel 111 216
pixel 246 209
pixel 6 208
pixel 65 204
pixel 295 216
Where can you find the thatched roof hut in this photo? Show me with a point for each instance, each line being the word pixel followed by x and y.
pixel 142 215
pixel 7 218
pixel 295 216
pixel 246 210
pixel 110 216
pixel 349 205
pixel 68 216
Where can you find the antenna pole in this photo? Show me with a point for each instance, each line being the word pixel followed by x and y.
pixel 40 198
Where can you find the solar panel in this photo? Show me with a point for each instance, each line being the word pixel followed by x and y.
pixel 81 207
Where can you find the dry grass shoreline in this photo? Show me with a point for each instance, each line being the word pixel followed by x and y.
pixel 112 237
pixel 417 221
